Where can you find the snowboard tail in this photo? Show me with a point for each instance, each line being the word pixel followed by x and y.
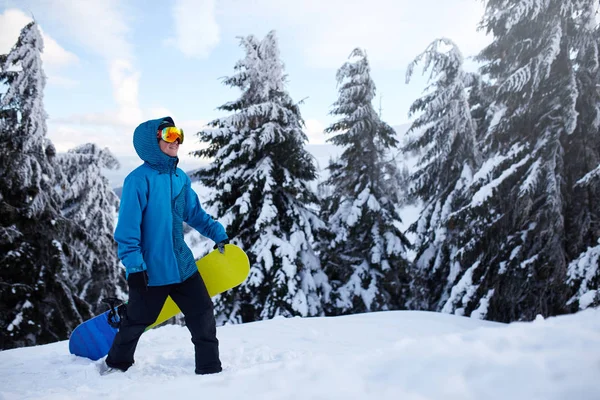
pixel 93 338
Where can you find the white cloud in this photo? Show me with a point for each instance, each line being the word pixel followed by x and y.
pixel 196 28
pixel 11 23
pixel 101 27
pixel 159 112
pixel 191 143
pixel 62 137
pixel 127 113
pixel 66 136
pixel 192 126
pixel 125 79
pixel 314 131
pixel 109 119
pixel 393 32
pixel 62 81
pixel 54 56
pixel 320 33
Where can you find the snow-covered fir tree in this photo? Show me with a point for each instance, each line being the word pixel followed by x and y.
pixel 90 203
pixel 481 96
pixel 37 300
pixel 259 175
pixel 365 256
pixel 444 134
pixel 514 260
pixel 582 155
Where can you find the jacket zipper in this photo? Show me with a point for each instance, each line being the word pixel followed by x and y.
pixel 172 221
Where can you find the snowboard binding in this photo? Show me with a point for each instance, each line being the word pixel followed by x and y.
pixel 118 311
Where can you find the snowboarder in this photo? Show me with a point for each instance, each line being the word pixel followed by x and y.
pixel 157 198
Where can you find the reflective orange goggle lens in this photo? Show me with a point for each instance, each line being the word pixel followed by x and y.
pixel 171 134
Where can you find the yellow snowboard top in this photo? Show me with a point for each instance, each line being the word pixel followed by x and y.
pixel 220 273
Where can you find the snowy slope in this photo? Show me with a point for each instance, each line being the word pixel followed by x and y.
pixel 390 355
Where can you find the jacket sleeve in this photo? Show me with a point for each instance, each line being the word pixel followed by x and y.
pixel 197 218
pixel 128 233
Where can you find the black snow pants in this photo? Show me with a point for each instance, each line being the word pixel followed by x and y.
pixel 142 310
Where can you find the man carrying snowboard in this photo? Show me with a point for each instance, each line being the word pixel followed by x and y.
pixel 157 198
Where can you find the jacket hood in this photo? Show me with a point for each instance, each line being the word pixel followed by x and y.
pixel 147 148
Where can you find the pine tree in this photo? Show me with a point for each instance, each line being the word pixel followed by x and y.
pixel 365 257
pixel 511 254
pixel 25 162
pixel 90 203
pixel 259 175
pixel 481 98
pixel 582 155
pixel 37 301
pixel 444 133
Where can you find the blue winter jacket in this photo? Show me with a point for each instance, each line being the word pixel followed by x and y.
pixel 157 197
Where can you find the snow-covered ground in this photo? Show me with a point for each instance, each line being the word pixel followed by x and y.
pixel 388 355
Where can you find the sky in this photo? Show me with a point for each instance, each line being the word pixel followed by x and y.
pixel 114 64
pixel 407 355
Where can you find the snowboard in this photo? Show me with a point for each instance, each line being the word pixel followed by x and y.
pixel 93 338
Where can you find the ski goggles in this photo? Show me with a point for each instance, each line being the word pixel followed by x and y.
pixel 171 134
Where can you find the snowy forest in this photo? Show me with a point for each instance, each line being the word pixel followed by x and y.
pixel 506 185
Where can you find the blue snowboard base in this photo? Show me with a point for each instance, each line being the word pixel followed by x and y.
pixel 93 338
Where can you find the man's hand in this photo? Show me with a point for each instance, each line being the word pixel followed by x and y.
pixel 221 245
